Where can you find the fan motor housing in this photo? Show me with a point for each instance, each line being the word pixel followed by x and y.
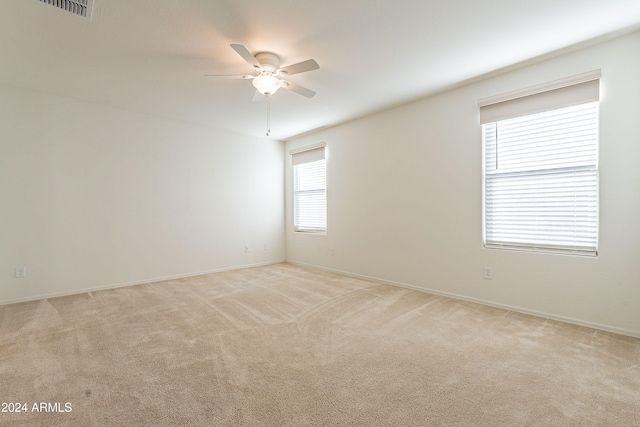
pixel 268 60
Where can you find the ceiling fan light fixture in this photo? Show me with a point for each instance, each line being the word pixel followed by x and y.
pixel 266 84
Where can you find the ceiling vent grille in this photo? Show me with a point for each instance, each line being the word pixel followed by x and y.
pixel 77 7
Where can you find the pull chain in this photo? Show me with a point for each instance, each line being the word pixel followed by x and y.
pixel 268 115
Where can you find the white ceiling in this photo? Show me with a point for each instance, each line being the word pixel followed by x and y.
pixel 151 56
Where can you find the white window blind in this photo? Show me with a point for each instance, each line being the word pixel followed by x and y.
pixel 541 173
pixel 310 190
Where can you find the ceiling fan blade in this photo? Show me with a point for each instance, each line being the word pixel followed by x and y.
pixel 300 67
pixel 232 76
pixel 298 89
pixel 246 55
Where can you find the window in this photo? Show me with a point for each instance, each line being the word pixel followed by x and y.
pixel 541 168
pixel 309 189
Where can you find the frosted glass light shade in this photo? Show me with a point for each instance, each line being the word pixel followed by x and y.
pixel 266 85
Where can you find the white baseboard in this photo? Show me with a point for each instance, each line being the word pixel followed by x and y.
pixel 133 283
pixel 550 316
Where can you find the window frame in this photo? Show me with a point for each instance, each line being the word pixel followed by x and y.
pixel 308 155
pixel 525 104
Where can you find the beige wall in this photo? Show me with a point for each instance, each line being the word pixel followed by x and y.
pixel 93 197
pixel 405 200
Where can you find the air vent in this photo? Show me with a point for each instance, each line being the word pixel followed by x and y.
pixel 77 7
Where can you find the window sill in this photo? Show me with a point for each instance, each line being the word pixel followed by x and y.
pixel 590 253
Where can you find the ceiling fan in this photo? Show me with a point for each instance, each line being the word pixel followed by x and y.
pixel 267 78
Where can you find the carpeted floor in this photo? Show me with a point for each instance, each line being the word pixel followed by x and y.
pixel 284 345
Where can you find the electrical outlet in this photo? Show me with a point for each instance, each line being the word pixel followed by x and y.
pixel 21 272
pixel 332 251
pixel 488 273
pixel 246 248
pixel 266 246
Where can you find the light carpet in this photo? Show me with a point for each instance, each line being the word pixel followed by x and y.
pixel 284 345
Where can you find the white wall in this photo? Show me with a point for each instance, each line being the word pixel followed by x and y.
pixel 93 197
pixel 405 200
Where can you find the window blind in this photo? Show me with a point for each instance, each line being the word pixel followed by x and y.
pixel 541 178
pixel 309 190
pixel 570 95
